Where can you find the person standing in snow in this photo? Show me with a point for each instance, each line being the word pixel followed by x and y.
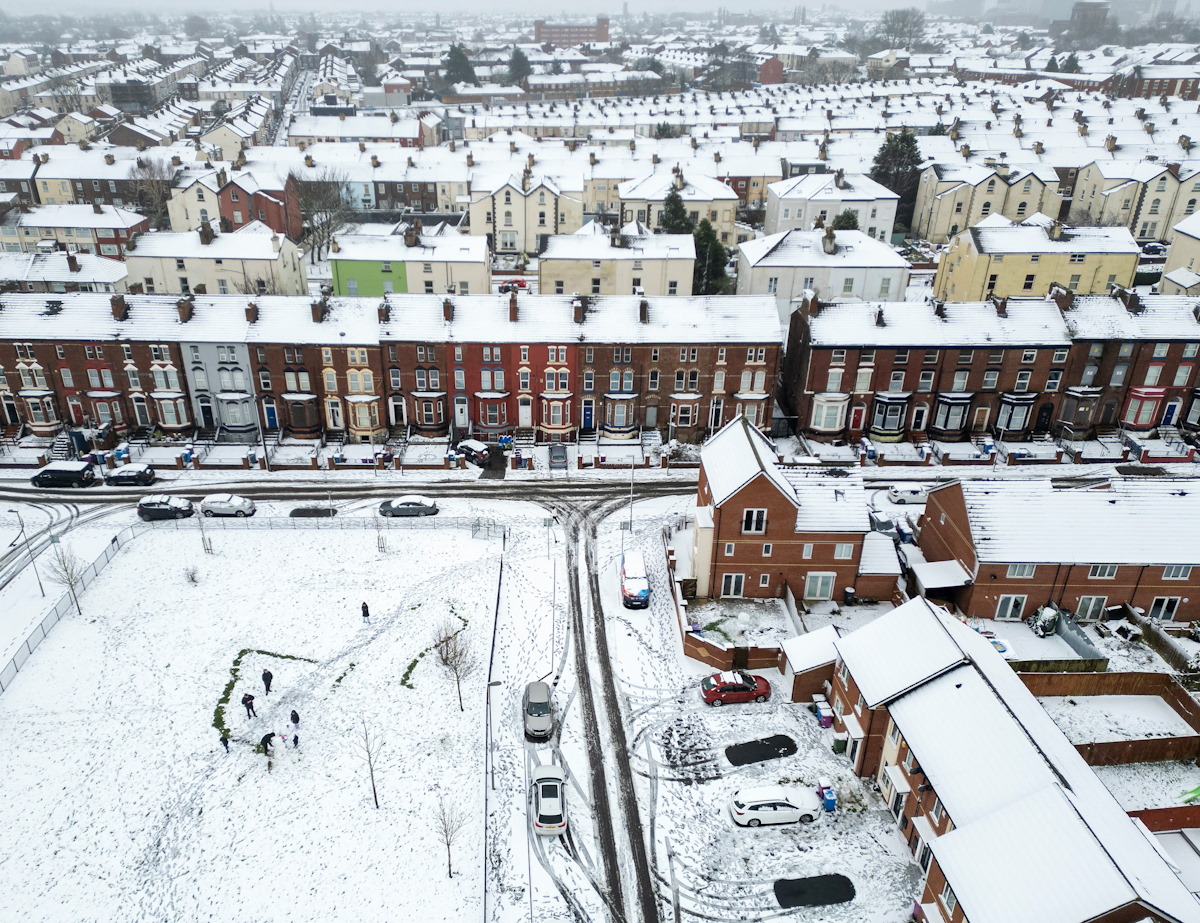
pixel 267 742
pixel 225 740
pixel 267 677
pixel 366 614
pixel 295 729
pixel 248 701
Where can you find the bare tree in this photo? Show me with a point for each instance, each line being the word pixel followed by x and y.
pixel 324 197
pixel 454 653
pixel 370 745
pixel 67 95
pixel 449 821
pixel 153 179
pixel 902 28
pixel 68 571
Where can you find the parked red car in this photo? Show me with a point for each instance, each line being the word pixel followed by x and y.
pixel 732 686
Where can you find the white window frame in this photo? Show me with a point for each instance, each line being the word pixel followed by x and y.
pixel 1005 606
pixel 1021 571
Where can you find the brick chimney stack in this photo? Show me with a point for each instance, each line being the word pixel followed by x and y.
pixel 120 308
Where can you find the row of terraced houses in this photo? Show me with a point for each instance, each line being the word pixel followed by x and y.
pixel 361 368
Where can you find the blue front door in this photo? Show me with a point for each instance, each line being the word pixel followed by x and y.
pixel 588 407
pixel 272 419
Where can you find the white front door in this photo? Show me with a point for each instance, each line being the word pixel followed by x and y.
pixel 398 411
pixel 461 417
pixel 525 412
pixel 334 414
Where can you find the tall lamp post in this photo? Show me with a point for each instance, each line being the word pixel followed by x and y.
pixel 29 551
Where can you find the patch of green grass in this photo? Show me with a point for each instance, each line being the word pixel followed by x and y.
pixel 234 675
pixel 405 680
pixel 716 629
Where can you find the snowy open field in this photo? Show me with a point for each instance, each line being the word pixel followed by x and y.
pixel 1138 786
pixel 122 799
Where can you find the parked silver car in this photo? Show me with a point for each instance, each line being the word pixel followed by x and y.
pixel 227 505
pixel 536 710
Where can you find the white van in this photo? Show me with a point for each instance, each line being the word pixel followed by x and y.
pixel 635 585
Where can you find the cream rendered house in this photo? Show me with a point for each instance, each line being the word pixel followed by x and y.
pixel 1181 274
pixel 799 202
pixel 1025 260
pixel 252 260
pixel 594 262
pixel 951 197
pixel 704 197
pixel 521 213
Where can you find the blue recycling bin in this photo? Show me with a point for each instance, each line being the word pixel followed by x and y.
pixel 122 456
pixel 829 797
pixel 187 456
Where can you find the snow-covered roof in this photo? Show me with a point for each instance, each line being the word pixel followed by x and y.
pixel 1017 790
pixel 808 651
pixel 252 241
pixel 806 248
pixel 457 248
pixel 586 245
pixel 74 216
pixel 855 187
pixel 898 652
pixel 1037 239
pixel 419 318
pixel 1133 521
pixel 1032 322
pixel 736 454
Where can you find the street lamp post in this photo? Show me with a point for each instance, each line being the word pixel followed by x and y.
pixel 29 551
pixel 490 739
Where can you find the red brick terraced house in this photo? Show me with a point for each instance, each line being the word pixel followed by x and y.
pixel 1021 544
pixel 985 790
pixel 1062 365
pixel 763 526
pixel 479 365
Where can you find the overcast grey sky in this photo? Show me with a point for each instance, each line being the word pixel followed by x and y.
pixel 547 8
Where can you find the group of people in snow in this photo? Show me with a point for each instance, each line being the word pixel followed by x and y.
pixel 268 740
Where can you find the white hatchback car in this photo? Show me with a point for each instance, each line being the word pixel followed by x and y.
pixel 549 801
pixel 227 505
pixel 773 804
pixel 908 495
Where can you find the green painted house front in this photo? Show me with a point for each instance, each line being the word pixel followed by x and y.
pixel 368 277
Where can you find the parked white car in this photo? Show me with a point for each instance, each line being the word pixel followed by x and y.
pixel 549 801
pixel 773 804
pixel 227 505
pixel 908 495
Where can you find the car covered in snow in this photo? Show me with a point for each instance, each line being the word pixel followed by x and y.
pixel 476 452
pixel 558 457
pixel 227 505
pixel 130 474
pixel 732 686
pixel 549 801
pixel 409 505
pixel 164 506
pixel 774 804
pixel 908 495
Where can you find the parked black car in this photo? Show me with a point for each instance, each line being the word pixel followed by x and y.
pixel 164 506
pixel 130 474
pixel 476 452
